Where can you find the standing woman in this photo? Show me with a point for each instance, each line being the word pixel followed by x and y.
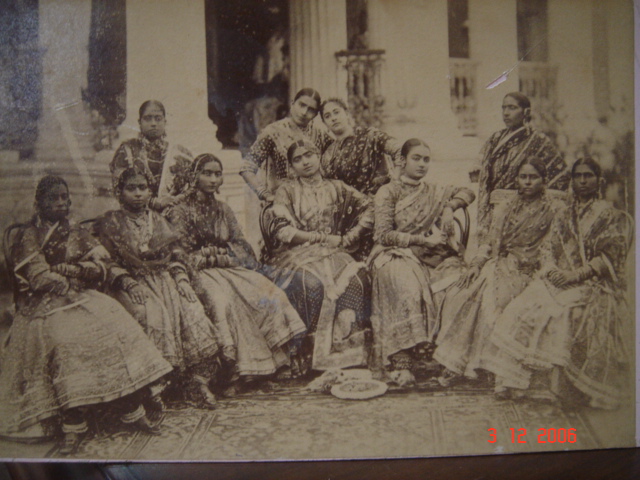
pixel 327 286
pixel 576 315
pixel 414 249
pixel 505 151
pixel 503 267
pixel 69 346
pixel 155 288
pixel 269 152
pixel 257 313
pixel 166 164
pixel 360 157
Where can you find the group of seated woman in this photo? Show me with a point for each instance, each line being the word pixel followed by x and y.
pixel 366 270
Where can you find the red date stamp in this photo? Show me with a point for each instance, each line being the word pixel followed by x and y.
pixel 545 435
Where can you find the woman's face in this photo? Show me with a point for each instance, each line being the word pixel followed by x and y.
pixel 336 118
pixel 417 162
pixel 530 182
pixel 513 115
pixel 54 206
pixel 305 163
pixel 152 123
pixel 303 110
pixel 210 178
pixel 585 181
pixel 135 193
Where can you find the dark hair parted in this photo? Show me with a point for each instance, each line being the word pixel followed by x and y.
pixel 308 92
pixel 127 174
pixel 300 144
pixel 45 184
pixel 338 101
pixel 521 98
pixel 201 160
pixel 593 165
pixel 409 144
pixel 149 103
pixel 537 163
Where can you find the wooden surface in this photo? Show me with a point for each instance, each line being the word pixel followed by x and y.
pixel 600 464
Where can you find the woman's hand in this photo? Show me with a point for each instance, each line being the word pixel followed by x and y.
pixel 437 237
pixel 161 203
pixel 67 270
pixel 185 289
pixel 267 198
pixel 60 285
pixel 136 293
pixel 447 221
pixel 333 240
pixel 469 277
pixel 562 278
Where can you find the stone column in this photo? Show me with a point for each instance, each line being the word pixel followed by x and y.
pixel 64 126
pixel 570 48
pixel 318 31
pixel 167 61
pixel 416 71
pixel 493 37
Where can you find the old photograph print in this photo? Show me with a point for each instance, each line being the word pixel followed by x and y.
pixel 315 229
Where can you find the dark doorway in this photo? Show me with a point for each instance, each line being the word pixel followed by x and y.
pixel 247 66
pixel 20 77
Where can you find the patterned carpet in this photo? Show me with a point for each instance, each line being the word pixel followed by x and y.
pixel 320 426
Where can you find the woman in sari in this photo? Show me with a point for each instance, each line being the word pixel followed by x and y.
pixel 166 164
pixel 574 319
pixel 317 220
pixel 358 156
pixel 504 152
pixel 69 346
pixel 269 152
pixel 258 315
pixel 503 267
pixel 155 287
pixel 414 250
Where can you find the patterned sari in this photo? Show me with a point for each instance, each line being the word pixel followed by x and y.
pixel 508 265
pixel 405 301
pixel 269 151
pixel 323 281
pixel 257 313
pixel 361 160
pixel 71 350
pixel 502 156
pixel 585 328
pixel 167 165
pixel 147 248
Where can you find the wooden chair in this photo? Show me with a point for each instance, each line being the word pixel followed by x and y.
pixel 11 234
pixel 271 243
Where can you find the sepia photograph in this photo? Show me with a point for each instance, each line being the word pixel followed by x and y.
pixel 263 230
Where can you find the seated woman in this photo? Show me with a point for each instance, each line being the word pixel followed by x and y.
pixel 166 164
pixel 69 346
pixel 154 286
pixel 500 271
pixel 415 247
pixel 257 313
pixel 363 158
pixel 326 285
pixel 574 319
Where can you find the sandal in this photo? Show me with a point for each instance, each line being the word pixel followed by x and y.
pixel 149 426
pixel 448 378
pixel 70 443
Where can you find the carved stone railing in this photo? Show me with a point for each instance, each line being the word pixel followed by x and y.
pixel 463 85
pixel 365 97
pixel 538 81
